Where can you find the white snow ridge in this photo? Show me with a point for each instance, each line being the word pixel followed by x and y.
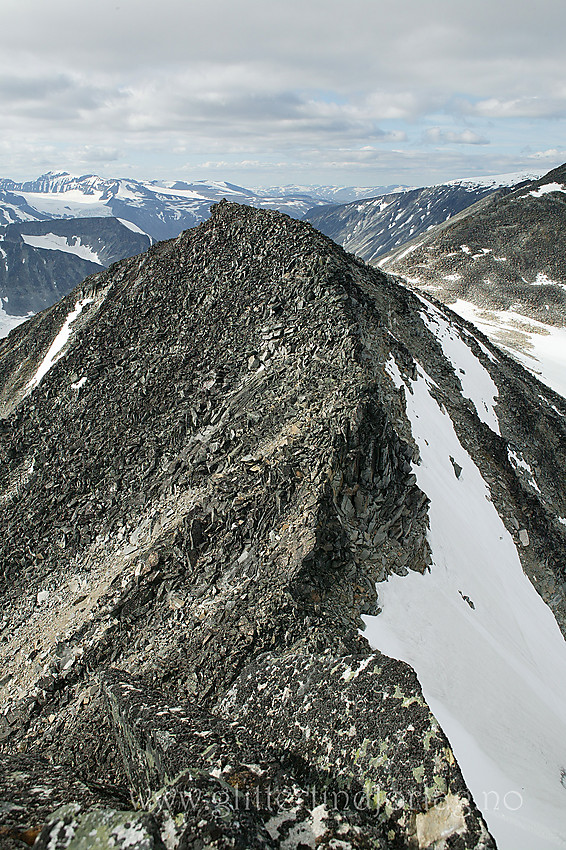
pixel 486 648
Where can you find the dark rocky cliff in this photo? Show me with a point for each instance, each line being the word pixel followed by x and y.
pixel 198 499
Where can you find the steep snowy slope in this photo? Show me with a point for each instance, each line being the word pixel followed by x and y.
pixel 218 461
pixel 377 225
pixel 501 263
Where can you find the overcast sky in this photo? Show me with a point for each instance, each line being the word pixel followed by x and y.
pixel 265 92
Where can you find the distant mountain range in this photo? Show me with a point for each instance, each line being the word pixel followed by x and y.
pixel 374 226
pixel 60 228
pixel 490 244
pixel 160 209
pixel 501 263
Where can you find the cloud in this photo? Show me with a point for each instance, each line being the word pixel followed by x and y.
pixel 521 107
pixel 552 154
pixel 438 136
pixel 274 82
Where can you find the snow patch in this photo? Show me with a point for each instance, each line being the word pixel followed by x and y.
pixel 543 279
pixel 494 675
pixel 134 228
pixel 57 345
pixel 518 462
pixel 477 383
pixel 7 322
pixel 548 187
pixel 538 347
pixel 407 251
pixel 68 244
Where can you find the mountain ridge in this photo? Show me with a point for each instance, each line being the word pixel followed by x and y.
pixel 500 263
pixel 211 485
pixel 372 227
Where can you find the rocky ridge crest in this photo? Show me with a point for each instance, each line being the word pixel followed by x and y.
pixel 198 500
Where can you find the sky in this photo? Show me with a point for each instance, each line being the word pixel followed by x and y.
pixel 278 92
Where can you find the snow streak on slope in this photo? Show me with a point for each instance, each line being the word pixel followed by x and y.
pixel 58 344
pixel 477 383
pixel 538 347
pixel 52 242
pixel 487 650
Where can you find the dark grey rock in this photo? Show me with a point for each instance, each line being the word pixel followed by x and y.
pixel 503 252
pixel 193 521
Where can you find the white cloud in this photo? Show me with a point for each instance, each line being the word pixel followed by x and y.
pixel 270 81
pixel 552 154
pixel 521 107
pixel 438 136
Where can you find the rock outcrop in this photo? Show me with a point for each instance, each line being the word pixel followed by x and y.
pixel 200 497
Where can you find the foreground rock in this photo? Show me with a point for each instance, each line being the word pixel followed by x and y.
pixel 199 498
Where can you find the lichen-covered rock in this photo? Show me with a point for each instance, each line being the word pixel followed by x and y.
pixel 160 741
pixel 202 774
pixel 69 828
pixel 363 722
pixel 31 788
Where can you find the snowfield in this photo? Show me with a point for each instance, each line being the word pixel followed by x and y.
pixel 70 245
pixel 538 347
pixel 486 648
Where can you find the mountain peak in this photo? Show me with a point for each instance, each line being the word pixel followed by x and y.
pixel 219 460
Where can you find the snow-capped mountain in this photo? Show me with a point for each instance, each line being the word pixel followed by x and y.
pixel 501 263
pixel 31 279
pixel 41 261
pixel 336 194
pixel 374 226
pixel 235 471
pixel 160 209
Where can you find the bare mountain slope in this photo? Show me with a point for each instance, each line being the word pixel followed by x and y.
pixel 219 460
pixel 375 226
pixel 501 263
